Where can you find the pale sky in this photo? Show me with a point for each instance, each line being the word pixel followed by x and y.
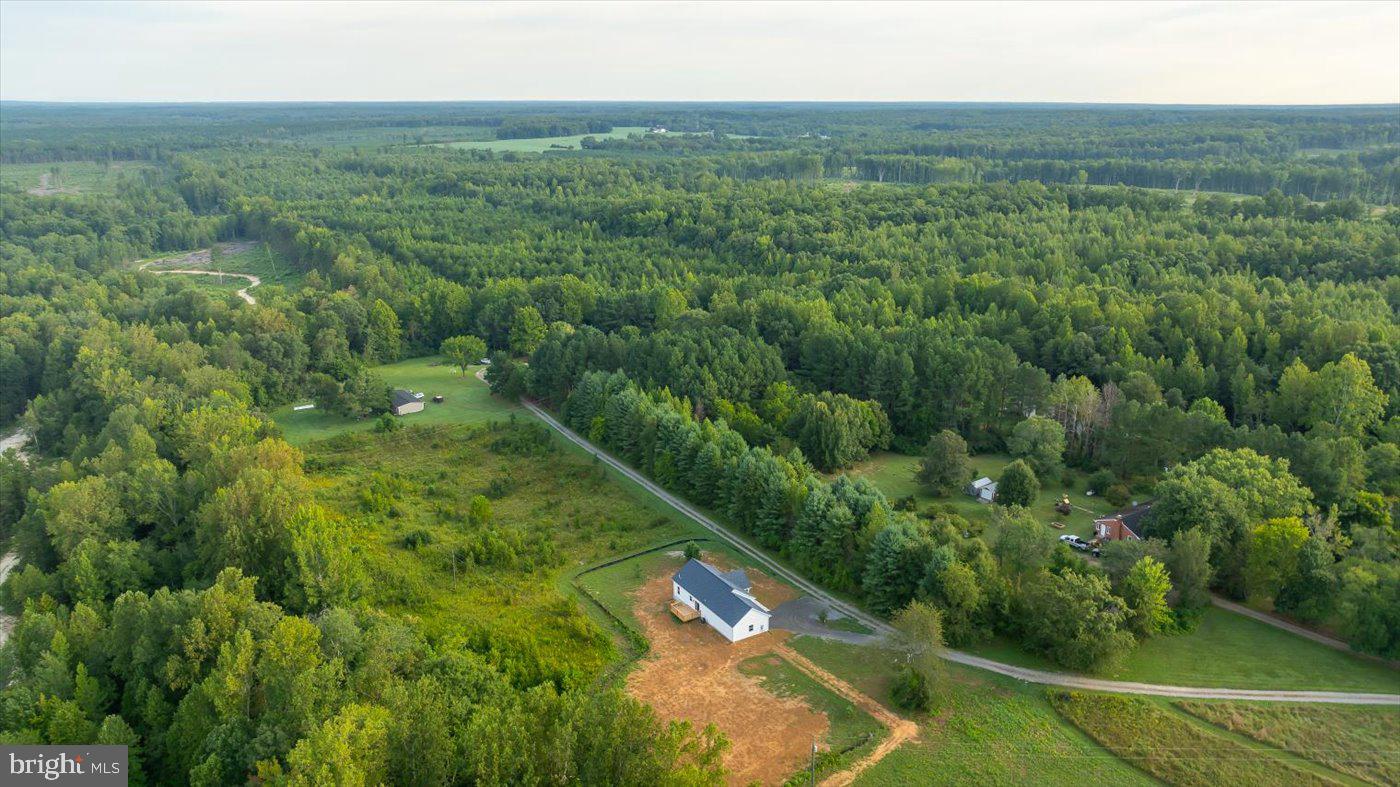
pixel 1189 52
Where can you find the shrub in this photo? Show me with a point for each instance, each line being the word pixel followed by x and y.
pixel 1101 480
pixel 1018 485
pixel 910 691
pixel 417 538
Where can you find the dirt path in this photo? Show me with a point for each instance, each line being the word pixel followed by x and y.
pixel 203 257
pixel 901 730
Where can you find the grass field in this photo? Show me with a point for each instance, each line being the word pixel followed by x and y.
pixel 987 730
pixel 894 475
pixel 1173 748
pixel 251 257
pixel 467 401
pixel 1229 650
pixel 74 177
pixel 492 586
pixel 541 144
pixel 261 261
pixel 1358 741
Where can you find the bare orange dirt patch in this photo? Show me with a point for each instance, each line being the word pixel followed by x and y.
pixel 901 730
pixel 692 673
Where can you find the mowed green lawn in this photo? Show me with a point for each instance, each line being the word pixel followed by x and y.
pixel 467 401
pixel 541 144
pixel 894 475
pixel 1230 651
pixel 988 729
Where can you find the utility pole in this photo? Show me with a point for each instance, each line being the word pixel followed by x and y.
pixel 812 768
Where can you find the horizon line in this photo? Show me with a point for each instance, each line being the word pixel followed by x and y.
pixel 697 101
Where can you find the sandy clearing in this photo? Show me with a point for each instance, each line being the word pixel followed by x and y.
pixel 16 440
pixel 692 673
pixel 203 257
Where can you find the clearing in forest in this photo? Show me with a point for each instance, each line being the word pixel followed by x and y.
pixel 756 691
pixel 772 702
pixel 692 673
pixel 49 179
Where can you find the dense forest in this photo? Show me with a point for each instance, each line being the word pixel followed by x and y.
pixel 1195 306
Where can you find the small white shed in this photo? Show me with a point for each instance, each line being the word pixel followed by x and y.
pixel 984 489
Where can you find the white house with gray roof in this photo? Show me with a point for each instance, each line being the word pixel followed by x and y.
pixel 724 599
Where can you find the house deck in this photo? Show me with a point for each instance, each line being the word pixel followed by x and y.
pixel 683 612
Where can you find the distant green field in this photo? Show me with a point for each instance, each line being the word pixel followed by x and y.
pixel 379 136
pixel 542 144
pixel 1230 650
pixel 988 729
pixel 73 177
pixel 894 475
pixel 467 401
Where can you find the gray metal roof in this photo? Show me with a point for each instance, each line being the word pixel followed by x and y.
pixel 402 397
pixel 722 593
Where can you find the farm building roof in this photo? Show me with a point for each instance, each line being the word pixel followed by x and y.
pixel 1131 517
pixel 724 593
pixel 402 397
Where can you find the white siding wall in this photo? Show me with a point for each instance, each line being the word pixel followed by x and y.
pixel 754 618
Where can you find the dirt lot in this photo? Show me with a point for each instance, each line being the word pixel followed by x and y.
pixel 199 258
pixel 692 673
